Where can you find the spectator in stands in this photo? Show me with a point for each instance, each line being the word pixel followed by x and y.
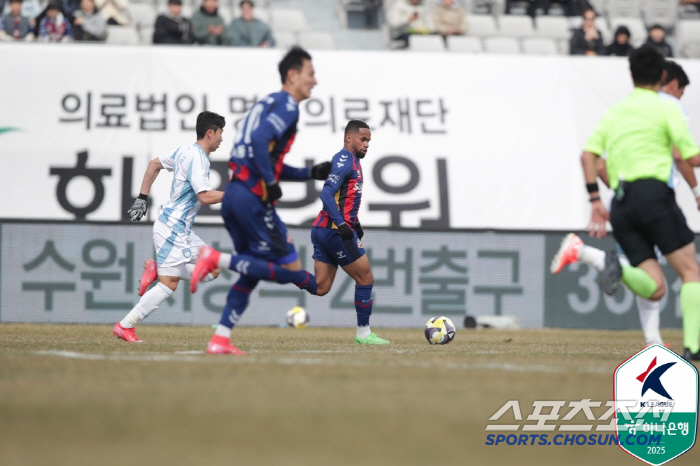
pixel 620 47
pixel 587 40
pixel 571 7
pixel 88 23
pixel 30 8
pixel 207 25
pixel 407 17
pixel 54 27
pixel 247 31
pixel 657 38
pixel 115 12
pixel 69 7
pixel 449 19
pixel 15 26
pixel 172 27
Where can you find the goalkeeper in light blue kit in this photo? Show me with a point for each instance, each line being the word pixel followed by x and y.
pixel 337 232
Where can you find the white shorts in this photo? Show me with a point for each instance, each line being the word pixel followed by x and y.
pixel 174 249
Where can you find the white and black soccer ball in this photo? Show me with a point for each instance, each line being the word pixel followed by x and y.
pixel 297 317
pixel 439 331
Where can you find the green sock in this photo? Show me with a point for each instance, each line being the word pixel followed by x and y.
pixel 690 308
pixel 638 281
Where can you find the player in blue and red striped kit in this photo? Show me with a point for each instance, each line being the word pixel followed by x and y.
pixel 265 252
pixel 336 232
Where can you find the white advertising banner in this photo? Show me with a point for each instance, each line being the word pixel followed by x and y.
pixel 458 141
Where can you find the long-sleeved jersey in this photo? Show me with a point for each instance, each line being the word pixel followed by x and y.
pixel 263 138
pixel 342 192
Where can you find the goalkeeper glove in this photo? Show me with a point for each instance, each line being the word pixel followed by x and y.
pixel 345 232
pixel 138 210
pixel 358 229
pixel 320 171
pixel 274 192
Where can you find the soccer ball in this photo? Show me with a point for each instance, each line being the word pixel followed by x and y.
pixel 439 331
pixel 297 317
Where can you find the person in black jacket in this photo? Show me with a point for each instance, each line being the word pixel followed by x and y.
pixel 620 47
pixel 587 39
pixel 171 27
pixel 657 39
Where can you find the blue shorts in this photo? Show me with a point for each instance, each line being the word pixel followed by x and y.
pixel 255 227
pixel 330 248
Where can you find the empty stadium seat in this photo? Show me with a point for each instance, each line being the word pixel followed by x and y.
pixel 515 26
pixel 501 45
pixel 663 12
pixel 420 43
pixel 226 14
pixel 553 27
pixel 122 35
pixel 688 37
pixel 623 8
pixel 288 20
pixel 539 46
pixel 146 34
pixel 481 26
pixel 142 14
pixel 284 39
pixel 464 44
pixel 316 40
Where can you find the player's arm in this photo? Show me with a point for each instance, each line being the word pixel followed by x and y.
pixel 688 173
pixel 210 197
pixel 681 137
pixel 589 162
pixel 138 209
pixel 320 171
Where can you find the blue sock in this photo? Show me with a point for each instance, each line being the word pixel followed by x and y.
pixel 264 270
pixel 363 304
pixel 237 300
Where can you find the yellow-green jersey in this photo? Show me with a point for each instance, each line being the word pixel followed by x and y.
pixel 638 134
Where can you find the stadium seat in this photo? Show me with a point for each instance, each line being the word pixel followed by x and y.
pixel 464 44
pixel 284 39
pixel 263 14
pixel 515 26
pixel 287 20
pixel 599 6
pixel 688 36
pixel 420 43
pixel 563 46
pixel 539 46
pixel 122 35
pixel 636 27
pixel 501 45
pixel 623 8
pixel 146 34
pixel 226 14
pixel 142 14
pixel 663 12
pixel 316 40
pixel 481 26
pixel 602 24
pixel 553 27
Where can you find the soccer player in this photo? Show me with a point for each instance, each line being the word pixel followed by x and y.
pixel 176 244
pixel 259 236
pixel 572 248
pixel 337 232
pixel 638 135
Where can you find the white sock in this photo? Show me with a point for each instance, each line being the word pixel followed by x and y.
pixel 190 269
pixel 592 256
pixel 223 331
pixel 649 314
pixel 149 302
pixel 225 261
pixel 363 332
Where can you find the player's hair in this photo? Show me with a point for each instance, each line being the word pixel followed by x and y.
pixel 587 9
pixel 209 120
pixel 294 59
pixel 252 5
pixel 675 71
pixel 354 126
pixel 646 65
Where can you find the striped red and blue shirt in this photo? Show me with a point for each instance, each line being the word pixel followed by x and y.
pixel 342 192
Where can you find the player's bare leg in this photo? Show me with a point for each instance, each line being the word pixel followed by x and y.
pixel 325 275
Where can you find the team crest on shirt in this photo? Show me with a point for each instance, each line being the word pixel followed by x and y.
pixel 187 253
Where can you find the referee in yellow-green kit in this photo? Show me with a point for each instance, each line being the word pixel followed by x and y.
pixel 638 134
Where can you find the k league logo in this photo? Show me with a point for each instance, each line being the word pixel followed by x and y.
pixel 661 390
